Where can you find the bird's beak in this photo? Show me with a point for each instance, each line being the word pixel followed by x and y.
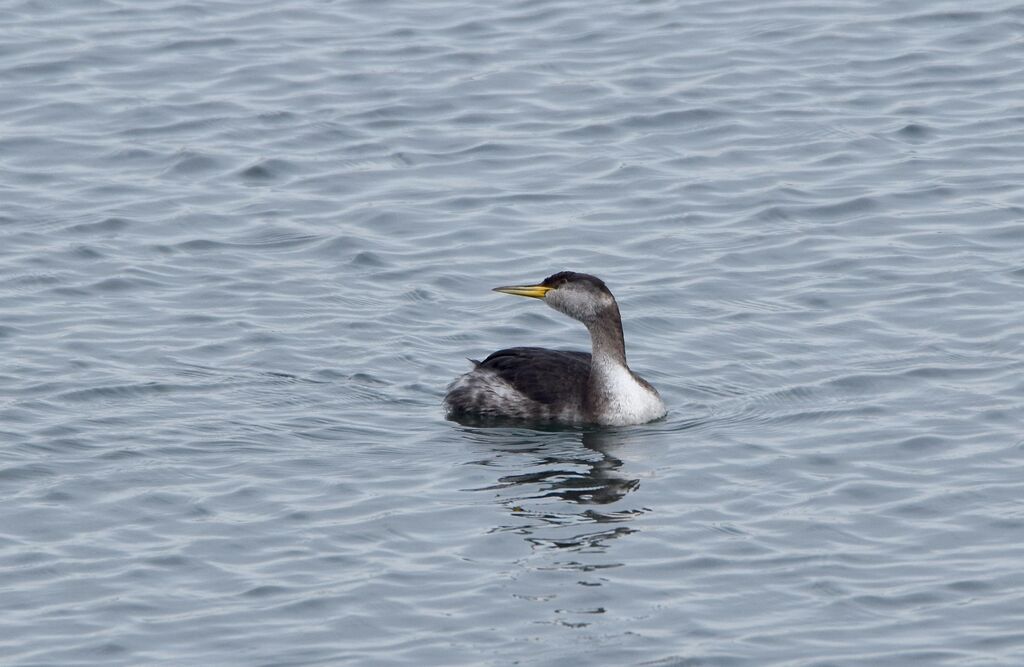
pixel 533 291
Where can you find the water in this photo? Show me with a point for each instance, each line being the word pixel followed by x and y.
pixel 244 247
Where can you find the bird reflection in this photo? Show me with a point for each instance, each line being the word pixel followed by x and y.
pixel 569 498
pixel 578 468
pixel 580 476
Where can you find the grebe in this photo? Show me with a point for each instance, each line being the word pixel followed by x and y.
pixel 537 384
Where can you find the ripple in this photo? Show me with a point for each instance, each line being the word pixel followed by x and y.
pixel 245 247
pixel 105 227
pixel 267 170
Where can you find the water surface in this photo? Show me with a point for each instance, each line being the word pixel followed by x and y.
pixel 245 246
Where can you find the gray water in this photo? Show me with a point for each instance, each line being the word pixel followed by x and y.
pixel 244 246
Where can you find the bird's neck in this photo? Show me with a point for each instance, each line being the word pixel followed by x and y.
pixel 615 395
pixel 607 345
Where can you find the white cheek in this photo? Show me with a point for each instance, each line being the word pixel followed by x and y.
pixel 571 302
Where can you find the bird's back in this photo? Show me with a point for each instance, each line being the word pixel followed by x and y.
pixel 523 383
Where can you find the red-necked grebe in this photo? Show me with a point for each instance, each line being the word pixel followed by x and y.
pixel 537 384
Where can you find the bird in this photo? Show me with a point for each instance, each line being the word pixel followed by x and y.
pixel 560 386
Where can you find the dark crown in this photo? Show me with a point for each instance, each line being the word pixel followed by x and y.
pixel 563 277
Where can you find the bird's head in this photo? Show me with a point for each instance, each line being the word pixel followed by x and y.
pixel 581 296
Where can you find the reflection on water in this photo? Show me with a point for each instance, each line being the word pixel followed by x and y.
pixel 566 480
pixel 569 496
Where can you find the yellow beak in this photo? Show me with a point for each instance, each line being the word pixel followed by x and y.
pixel 533 291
